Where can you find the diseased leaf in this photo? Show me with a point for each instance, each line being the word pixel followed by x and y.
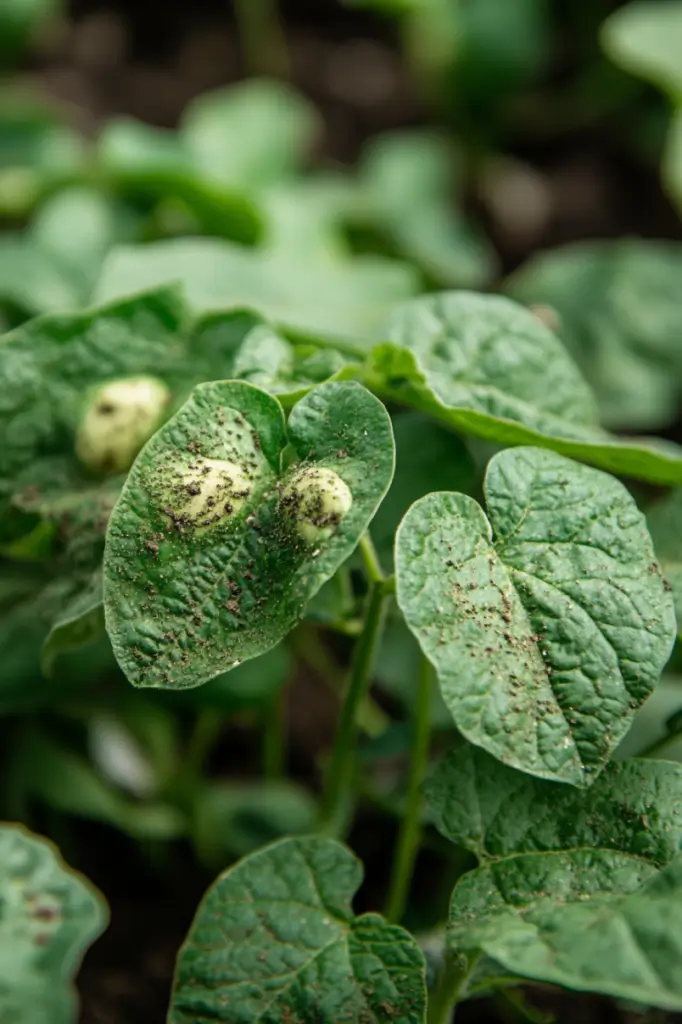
pixel 485 366
pixel 569 891
pixel 212 555
pixel 251 685
pixel 342 300
pixel 497 813
pixel 50 915
pixel 549 625
pixel 619 315
pixel 49 367
pixel 665 525
pixel 275 939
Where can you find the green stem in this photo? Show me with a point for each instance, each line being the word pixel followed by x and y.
pixel 275 737
pixel 410 833
pixel 452 977
pixel 372 720
pixel 204 736
pixel 373 568
pixel 341 771
pixel 263 41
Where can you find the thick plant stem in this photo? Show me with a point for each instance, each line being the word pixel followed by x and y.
pixel 410 833
pixel 263 42
pixel 339 782
pixel 452 977
pixel 275 737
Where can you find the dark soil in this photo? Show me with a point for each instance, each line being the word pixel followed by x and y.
pixel 148 58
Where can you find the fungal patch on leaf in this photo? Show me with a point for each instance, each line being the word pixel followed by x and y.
pixel 549 632
pixel 119 417
pixel 317 499
pixel 212 553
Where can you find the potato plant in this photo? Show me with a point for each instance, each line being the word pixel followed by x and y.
pixel 237 440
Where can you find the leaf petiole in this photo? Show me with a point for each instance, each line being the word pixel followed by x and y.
pixel 410 832
pixel 452 977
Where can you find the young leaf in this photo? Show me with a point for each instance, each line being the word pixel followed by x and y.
pixel 548 635
pixel 211 554
pixel 275 939
pixel 619 315
pixel 268 360
pixel 342 300
pixel 569 890
pixel 50 915
pixel 485 366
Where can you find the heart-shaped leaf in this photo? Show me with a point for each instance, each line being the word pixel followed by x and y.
pixel 549 636
pixel 275 940
pixel 50 915
pixel 570 890
pixel 212 553
pixel 619 315
pixel 488 367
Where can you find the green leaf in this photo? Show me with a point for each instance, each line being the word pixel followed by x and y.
pixel 428 458
pixel 79 623
pixel 645 38
pixel 346 300
pixel 619 315
pixel 665 525
pixel 271 362
pixel 50 917
pixel 249 135
pixel 49 367
pixel 77 226
pixel 549 636
pixel 234 819
pixel 569 890
pixel 190 591
pixel 608 925
pixel 397 673
pixel 497 813
pixel 154 163
pixel 485 366
pixel 406 177
pixel 275 939
pixel 31 280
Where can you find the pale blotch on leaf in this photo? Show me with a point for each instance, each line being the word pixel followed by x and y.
pixel 317 499
pixel 206 493
pixel 118 420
